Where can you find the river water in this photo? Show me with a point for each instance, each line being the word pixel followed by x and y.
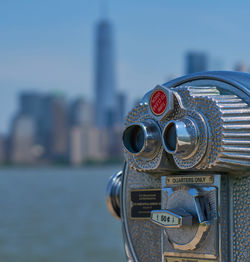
pixel 57 215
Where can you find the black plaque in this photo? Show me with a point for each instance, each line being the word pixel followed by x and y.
pixel 143 201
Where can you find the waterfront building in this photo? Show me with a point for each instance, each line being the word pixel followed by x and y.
pixel 58 127
pixel 81 112
pixel 105 86
pixel 3 149
pixel 49 114
pixel 23 150
pixel 114 138
pixel 196 62
pixel 121 108
pixel 87 144
pixel 31 104
pixel 76 150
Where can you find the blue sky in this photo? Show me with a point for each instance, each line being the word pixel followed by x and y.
pixel 47 45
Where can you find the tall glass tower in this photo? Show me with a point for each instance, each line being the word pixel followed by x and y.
pixel 105 93
pixel 196 62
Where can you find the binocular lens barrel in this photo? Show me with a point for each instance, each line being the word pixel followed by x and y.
pixel 180 137
pixel 134 138
pixel 142 139
pixel 170 138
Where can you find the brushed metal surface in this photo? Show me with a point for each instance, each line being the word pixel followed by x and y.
pixel 240 221
pixel 143 236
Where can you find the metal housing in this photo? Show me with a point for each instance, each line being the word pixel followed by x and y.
pixel 213 111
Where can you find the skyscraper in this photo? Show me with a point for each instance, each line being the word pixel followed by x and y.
pixel 121 108
pixel 3 149
pixel 49 117
pixel 23 140
pixel 31 105
pixel 81 112
pixel 196 62
pixel 105 90
pixel 58 127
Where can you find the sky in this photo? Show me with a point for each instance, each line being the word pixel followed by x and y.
pixel 48 45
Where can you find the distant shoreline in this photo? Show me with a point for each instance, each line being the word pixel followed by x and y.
pixel 88 163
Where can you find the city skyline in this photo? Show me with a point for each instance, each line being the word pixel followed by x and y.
pixel 48 129
pixel 52 48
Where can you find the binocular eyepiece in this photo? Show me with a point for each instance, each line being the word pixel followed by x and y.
pixel 183 194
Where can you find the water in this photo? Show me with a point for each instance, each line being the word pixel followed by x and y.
pixel 57 215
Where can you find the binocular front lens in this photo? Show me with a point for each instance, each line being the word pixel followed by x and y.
pixel 180 137
pixel 142 139
pixel 170 138
pixel 134 138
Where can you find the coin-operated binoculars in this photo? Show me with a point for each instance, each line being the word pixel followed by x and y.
pixel 183 195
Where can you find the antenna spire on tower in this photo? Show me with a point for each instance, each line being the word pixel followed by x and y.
pixel 104 9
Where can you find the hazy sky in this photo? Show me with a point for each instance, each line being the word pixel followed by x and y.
pixel 48 44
